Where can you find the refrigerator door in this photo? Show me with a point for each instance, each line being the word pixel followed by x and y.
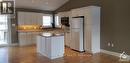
pixel 77 39
pixel 77 34
pixel 77 23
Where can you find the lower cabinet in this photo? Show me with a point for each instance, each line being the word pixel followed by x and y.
pixel 40 44
pixel 22 39
pixel 51 47
pixel 67 39
pixel 27 38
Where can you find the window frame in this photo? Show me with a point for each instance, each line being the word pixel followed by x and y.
pixel 59 21
pixel 51 16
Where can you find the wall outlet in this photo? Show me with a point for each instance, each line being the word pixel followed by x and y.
pixel 112 45
pixel 109 44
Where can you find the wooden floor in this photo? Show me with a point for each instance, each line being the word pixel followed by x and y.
pixel 29 55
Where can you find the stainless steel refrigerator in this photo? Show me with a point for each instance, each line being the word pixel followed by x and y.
pixel 77 33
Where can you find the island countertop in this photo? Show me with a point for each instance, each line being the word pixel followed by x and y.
pixel 51 34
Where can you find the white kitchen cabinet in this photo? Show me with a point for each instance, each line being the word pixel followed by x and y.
pixel 67 39
pixel 27 38
pixel 63 14
pixel 40 44
pixel 21 18
pixel 22 38
pixel 30 18
pixel 77 12
pixel 51 47
pixel 92 29
pixel 39 19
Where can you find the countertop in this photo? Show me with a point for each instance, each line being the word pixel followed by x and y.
pixel 42 30
pixel 46 32
pixel 51 34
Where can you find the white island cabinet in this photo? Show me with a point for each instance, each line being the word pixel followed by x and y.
pixel 51 45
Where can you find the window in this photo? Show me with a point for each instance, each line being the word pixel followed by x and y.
pixel 3 22
pixel 3 29
pixel 57 21
pixel 47 21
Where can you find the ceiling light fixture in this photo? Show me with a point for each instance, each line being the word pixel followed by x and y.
pixel 1 0
pixel 32 1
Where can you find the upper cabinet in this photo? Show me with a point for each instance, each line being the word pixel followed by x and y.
pixel 64 14
pixel 30 18
pixel 78 12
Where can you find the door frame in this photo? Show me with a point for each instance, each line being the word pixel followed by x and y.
pixel 9 33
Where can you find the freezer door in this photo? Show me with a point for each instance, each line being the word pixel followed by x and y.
pixel 77 23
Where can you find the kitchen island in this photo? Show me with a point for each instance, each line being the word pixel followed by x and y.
pixel 51 45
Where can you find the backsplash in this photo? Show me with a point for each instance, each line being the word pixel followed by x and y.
pixel 29 27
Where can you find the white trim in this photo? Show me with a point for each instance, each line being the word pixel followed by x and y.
pixel 111 53
pixel 14 44
pixel 9 38
pixel 9 45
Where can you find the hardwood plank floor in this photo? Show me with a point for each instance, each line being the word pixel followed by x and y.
pixel 28 55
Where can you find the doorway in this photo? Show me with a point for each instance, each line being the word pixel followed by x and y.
pixel 3 29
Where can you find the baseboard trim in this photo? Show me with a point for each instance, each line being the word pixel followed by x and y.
pixel 111 53
pixel 14 44
pixel 9 45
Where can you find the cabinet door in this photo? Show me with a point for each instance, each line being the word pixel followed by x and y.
pixel 34 18
pixel 29 39
pixel 57 45
pixel 40 19
pixel 67 39
pixel 48 46
pixel 22 39
pixel 78 12
pixel 33 37
pixel 74 13
pixel 21 18
pixel 39 39
pixel 43 44
pixel 29 18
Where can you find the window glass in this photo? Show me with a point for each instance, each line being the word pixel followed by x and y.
pixel 47 20
pixel 3 22
pixel 57 20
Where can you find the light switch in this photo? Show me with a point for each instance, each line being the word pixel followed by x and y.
pixel 13 25
pixel 109 44
pixel 112 45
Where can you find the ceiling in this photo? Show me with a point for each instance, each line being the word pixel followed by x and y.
pixel 50 5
